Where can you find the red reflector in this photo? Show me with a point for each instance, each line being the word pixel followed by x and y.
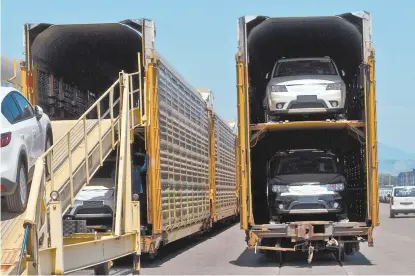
pixel 3 189
pixel 6 138
pixel 392 200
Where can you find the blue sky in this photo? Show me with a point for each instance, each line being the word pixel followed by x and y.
pixel 199 39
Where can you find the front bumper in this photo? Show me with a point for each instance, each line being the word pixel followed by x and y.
pixel 90 210
pixel 290 103
pixel 320 204
pixel 403 210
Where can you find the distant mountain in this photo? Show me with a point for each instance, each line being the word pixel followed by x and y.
pixel 392 160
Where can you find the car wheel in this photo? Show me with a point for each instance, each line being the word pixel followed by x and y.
pixel 392 215
pixel 17 202
pixel 48 163
pixel 102 269
pixel 340 254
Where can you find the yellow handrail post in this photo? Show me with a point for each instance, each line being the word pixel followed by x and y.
pixel 70 167
pixel 86 150
pixel 101 161
pixel 56 235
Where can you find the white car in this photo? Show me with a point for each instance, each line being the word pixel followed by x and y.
pixel 25 135
pixel 304 86
pixel 402 200
pixel 94 203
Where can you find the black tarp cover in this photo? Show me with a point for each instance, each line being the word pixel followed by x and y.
pixel 88 55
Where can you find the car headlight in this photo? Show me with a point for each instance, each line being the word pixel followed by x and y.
pixel 77 203
pixel 279 188
pixel 334 187
pixel 334 86
pixel 278 88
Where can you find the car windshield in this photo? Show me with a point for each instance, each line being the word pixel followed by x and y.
pixel 300 165
pixel 404 192
pixel 304 67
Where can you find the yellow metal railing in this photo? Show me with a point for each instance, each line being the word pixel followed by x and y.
pixel 62 171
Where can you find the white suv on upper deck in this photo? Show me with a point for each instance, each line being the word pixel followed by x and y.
pixel 25 135
pixel 304 86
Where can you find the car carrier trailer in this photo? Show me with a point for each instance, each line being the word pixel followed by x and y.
pixel 346 38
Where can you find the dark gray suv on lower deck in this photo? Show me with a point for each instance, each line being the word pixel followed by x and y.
pixel 306 183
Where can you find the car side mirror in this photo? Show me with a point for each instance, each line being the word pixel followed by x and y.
pixel 267 76
pixel 343 73
pixel 38 112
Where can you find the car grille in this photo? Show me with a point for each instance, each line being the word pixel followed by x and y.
pixel 101 210
pixel 306 105
pixel 92 204
pixel 308 206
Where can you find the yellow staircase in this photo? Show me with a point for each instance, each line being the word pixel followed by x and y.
pixel 80 148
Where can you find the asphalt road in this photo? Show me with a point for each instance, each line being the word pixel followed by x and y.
pixel 224 252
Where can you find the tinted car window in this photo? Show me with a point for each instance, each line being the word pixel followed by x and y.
pixel 5 110
pixel 305 67
pixel 404 192
pixel 297 165
pixel 24 105
pixel 10 109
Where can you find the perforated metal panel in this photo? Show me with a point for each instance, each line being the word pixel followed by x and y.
pixel 355 172
pixel 62 100
pixel 184 160
pixel 225 170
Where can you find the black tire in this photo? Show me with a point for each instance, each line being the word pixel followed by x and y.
pixel 102 269
pixel 280 257
pixel 14 202
pixel 48 144
pixel 270 255
pixel 348 249
pixel 340 254
pixel 392 214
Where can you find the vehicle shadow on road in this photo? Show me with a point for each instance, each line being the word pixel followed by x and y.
pixel 248 258
pixel 297 259
pixel 176 248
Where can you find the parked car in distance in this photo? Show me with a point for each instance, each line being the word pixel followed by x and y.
pixel 26 133
pixel 306 182
pixel 402 200
pixel 304 86
pixel 384 195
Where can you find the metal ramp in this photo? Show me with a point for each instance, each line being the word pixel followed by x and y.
pixel 12 224
pixel 33 242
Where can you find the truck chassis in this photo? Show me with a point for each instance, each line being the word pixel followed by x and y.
pixel 341 238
